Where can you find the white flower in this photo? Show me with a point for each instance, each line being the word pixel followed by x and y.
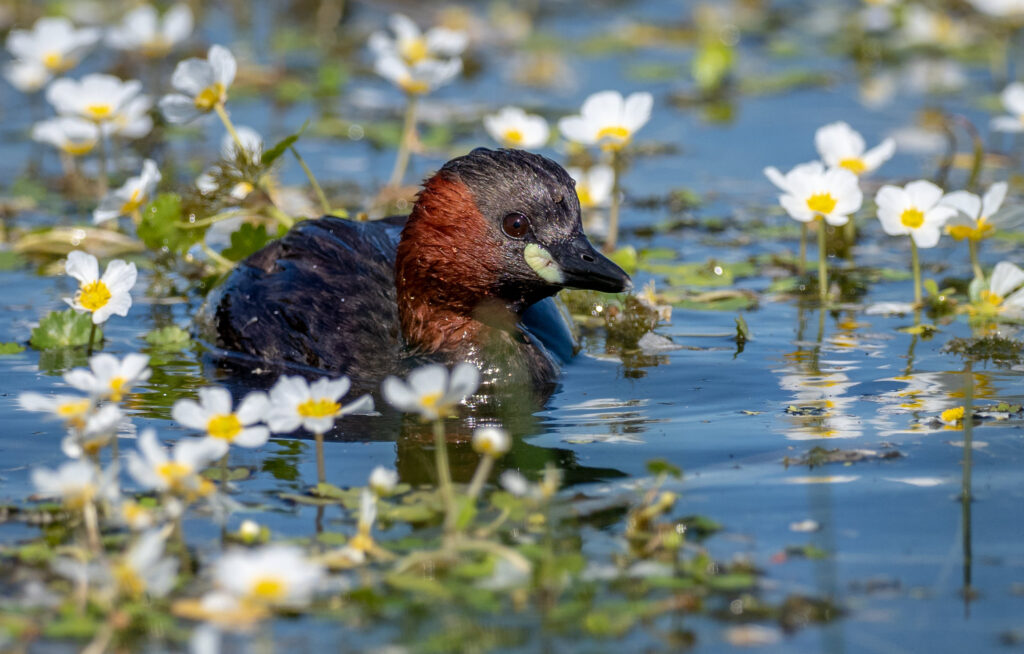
pixel 75 136
pixel 593 186
pixel 213 416
pixel 108 377
pixel 419 78
pixel 99 428
pixel 276 575
pixel 143 569
pixel 1000 8
pixel 367 516
pixel 430 391
pixel 142 29
pixel 294 403
pixel 514 128
pixel 514 482
pixel 127 200
pixel 608 120
pixel 134 515
pixel 53 43
pixel 95 97
pixel 974 220
pixel 76 483
pixel 72 409
pixel 840 145
pixel 922 26
pixel 102 296
pixel 915 209
pixel 26 76
pixel 1005 293
pixel 151 467
pixel 1013 101
pixel 810 191
pixel 252 144
pixel 383 480
pixel 412 46
pixel 132 121
pixel 203 84
pixel 491 441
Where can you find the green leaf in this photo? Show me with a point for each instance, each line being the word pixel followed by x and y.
pixel 162 225
pixel 742 330
pixel 466 512
pixel 171 337
pixel 246 240
pixel 732 582
pixel 11 348
pixel 663 467
pixel 626 258
pixel 64 329
pixel 712 64
pixel 931 287
pixel 271 155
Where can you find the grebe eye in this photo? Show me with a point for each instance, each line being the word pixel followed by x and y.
pixel 515 225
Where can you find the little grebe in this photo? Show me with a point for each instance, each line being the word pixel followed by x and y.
pixel 492 234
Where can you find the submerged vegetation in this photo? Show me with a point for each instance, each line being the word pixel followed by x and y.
pixel 472 541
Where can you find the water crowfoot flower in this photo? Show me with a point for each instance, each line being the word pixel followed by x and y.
pixel 127 200
pixel 78 484
pixel 109 378
pixel 203 86
pixel 1004 295
pixel 98 430
pixel 72 409
pixel 176 474
pixel 275 575
pixel 974 220
pixel 812 192
pixel 53 43
pixel 594 185
pixel 26 76
pixel 223 427
pixel 143 569
pixel 431 391
pixel 514 128
pixel 295 403
pixel 914 210
pixel 101 296
pixel 1013 101
pixel 72 136
pixel 363 540
pixel 383 480
pixel 839 145
pixel 132 121
pixel 492 443
pixel 142 30
pixel 96 97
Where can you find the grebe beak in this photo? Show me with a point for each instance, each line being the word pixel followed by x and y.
pixel 585 268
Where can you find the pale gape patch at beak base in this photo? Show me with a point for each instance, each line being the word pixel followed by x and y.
pixel 542 263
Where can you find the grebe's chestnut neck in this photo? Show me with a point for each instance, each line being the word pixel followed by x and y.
pixel 492 233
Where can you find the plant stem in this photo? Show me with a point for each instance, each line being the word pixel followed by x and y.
pixel 321 473
pixel 803 247
pixel 915 262
pixel 218 258
pixel 92 528
pixel 92 338
pixel 822 262
pixel 480 476
pixel 404 146
pixel 972 248
pixel 444 475
pixel 612 240
pixel 224 473
pixel 324 204
pixel 228 125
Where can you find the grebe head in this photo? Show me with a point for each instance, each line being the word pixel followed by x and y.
pixel 496 228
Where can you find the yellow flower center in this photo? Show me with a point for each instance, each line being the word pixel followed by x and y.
pixel 414 50
pixel 99 111
pixel 94 295
pixel 241 190
pixel 821 203
pixel 362 541
pixel 990 298
pixel 414 87
pixel 133 202
pixel 225 426
pixel 210 96
pixel 513 136
pixel 173 473
pixel 78 148
pixel 982 230
pixel 430 400
pixel 53 60
pixel 912 218
pixel 133 512
pixel 269 589
pixel 117 388
pixel 128 580
pixel 954 415
pixel 854 165
pixel 318 408
pixel 72 410
pixel 583 193
pixel 615 135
